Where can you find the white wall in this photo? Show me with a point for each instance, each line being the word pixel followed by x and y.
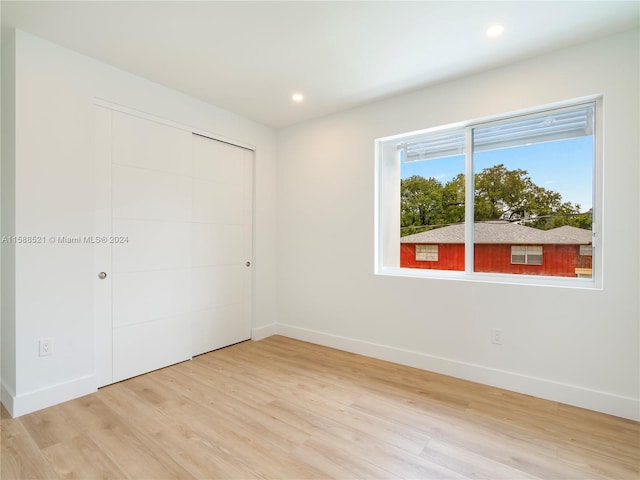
pixel 576 346
pixel 7 312
pixel 572 345
pixel 53 178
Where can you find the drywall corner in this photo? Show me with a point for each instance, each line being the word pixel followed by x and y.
pixel 7 218
pixel 261 333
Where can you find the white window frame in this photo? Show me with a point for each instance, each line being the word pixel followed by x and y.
pixel 387 205
pixel 429 253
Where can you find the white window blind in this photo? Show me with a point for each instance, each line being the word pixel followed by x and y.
pixel 440 144
pixel 562 124
pixel 553 125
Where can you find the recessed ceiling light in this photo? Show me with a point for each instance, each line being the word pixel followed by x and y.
pixel 297 97
pixel 495 31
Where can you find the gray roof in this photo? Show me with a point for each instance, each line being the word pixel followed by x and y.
pixel 499 232
pixel 580 234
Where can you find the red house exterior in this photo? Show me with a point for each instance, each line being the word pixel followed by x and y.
pixel 560 252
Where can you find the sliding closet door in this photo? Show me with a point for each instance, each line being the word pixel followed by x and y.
pixel 222 244
pixel 174 278
pixel 151 208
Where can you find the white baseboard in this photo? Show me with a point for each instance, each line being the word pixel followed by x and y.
pixel 18 405
pixel 263 332
pixel 604 402
pixel 6 397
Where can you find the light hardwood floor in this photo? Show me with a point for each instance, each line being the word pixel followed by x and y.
pixel 285 409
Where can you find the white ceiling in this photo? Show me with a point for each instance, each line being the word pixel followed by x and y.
pixel 249 57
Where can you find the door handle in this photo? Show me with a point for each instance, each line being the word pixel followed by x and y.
pixel 102 275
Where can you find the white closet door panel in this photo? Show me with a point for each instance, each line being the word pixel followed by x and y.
pixel 219 203
pixel 102 252
pixel 218 327
pixel 220 162
pixel 215 244
pixel 148 346
pixel 217 286
pixel 138 142
pixel 150 195
pixel 222 244
pixel 140 297
pixel 152 245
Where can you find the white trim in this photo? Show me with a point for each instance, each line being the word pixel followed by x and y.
pixel 469 199
pixel 260 333
pixel 19 405
pixel 147 116
pixel 597 228
pixel 501 278
pixel 599 401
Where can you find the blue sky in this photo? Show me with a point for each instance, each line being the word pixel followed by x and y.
pixel 564 166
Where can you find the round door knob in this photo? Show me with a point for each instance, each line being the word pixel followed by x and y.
pixel 102 275
pixel 248 264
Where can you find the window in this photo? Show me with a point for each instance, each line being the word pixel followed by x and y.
pixel 586 250
pixel 427 253
pixel 526 254
pixel 492 194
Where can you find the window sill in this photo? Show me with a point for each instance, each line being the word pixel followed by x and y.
pixel 531 280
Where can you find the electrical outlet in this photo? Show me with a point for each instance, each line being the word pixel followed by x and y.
pixel 45 347
pixel 496 336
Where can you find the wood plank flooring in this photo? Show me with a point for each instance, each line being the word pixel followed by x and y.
pixel 285 409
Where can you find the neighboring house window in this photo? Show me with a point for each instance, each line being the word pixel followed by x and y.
pixel 586 250
pixel 519 183
pixel 526 254
pixel 428 253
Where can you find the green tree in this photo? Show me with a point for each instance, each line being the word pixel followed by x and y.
pixel 500 194
pixel 426 203
pixel 453 200
pixel 420 203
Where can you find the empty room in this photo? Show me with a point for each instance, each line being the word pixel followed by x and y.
pixel 320 239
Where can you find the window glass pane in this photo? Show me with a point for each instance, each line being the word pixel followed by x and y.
pixel 427 253
pixel 534 187
pixel 534 255
pixel 534 260
pixel 518 254
pixel 586 250
pixel 432 185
